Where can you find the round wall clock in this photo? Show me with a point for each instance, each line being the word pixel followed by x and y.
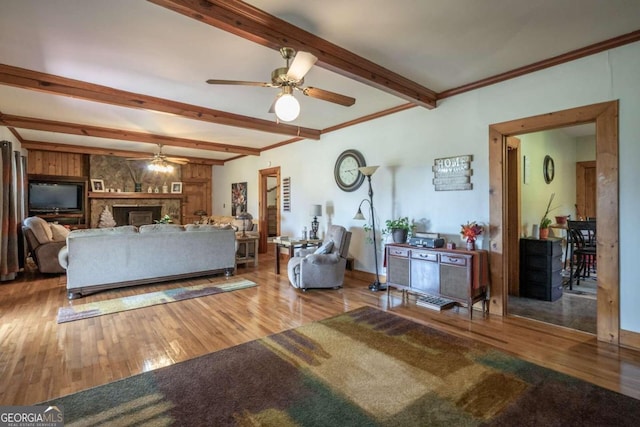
pixel 549 169
pixel 346 172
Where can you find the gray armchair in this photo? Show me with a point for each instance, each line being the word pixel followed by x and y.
pixel 42 245
pixel 308 269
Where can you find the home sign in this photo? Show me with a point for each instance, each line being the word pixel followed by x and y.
pixel 452 173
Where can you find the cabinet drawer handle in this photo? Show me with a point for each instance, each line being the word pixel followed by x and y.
pixel 453 260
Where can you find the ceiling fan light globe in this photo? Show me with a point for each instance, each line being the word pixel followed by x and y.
pixel 158 167
pixel 287 108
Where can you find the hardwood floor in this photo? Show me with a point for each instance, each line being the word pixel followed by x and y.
pixel 40 359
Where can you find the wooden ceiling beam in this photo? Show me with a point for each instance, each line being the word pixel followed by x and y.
pixel 81 149
pixel 126 135
pixel 253 24
pixel 49 83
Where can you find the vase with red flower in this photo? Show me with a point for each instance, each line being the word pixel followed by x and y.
pixel 470 232
pixel 471 245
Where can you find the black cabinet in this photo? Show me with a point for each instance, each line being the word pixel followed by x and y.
pixel 541 268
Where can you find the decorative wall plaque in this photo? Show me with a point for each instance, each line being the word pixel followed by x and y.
pixel 453 173
pixel 286 194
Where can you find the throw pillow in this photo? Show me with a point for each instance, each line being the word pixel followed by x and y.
pixel 326 248
pixel 59 232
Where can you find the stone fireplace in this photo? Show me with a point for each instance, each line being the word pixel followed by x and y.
pixel 138 206
pixel 136 214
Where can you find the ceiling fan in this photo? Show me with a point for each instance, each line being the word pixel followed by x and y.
pixel 289 78
pixel 160 162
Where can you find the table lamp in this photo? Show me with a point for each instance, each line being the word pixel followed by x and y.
pixel 316 211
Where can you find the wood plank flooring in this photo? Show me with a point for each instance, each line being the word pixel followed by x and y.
pixel 40 359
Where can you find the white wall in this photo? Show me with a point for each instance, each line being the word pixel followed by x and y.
pixel 406 144
pixel 565 151
pixel 6 135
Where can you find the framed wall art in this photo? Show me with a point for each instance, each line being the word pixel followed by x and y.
pixel 97 185
pixel 176 187
pixel 238 198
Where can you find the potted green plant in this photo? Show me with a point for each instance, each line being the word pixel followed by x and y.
pixel 398 228
pixel 545 222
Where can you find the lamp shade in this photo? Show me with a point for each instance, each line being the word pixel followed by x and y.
pixel 316 210
pixel 368 170
pixel 287 107
pixel 359 215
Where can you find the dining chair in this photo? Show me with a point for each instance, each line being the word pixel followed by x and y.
pixel 582 247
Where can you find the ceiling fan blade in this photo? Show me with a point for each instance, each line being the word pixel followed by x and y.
pixel 238 83
pixel 302 63
pixel 178 160
pixel 326 95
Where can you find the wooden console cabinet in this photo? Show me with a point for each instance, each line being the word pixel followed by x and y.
pixel 541 268
pixel 459 275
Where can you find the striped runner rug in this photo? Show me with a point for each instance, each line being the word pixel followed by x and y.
pixel 133 302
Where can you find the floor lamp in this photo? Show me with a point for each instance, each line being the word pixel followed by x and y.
pixel 368 171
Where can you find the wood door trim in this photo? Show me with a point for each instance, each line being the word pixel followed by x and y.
pixel 581 196
pixel 605 115
pixel 263 226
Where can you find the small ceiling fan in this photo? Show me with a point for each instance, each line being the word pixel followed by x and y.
pixel 289 78
pixel 160 162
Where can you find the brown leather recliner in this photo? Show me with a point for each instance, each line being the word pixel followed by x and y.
pixel 41 244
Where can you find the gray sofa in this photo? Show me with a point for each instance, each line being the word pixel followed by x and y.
pixel 105 258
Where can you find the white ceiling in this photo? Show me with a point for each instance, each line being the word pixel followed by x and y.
pixel 138 46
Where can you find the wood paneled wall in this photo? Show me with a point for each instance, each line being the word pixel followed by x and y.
pixel 55 163
pixel 196 177
pixel 196 171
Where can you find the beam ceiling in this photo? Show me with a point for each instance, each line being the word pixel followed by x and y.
pixel 43 82
pixel 80 149
pixel 126 135
pixel 253 24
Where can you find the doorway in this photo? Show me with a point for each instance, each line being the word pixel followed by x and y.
pixel 502 236
pixel 546 292
pixel 268 205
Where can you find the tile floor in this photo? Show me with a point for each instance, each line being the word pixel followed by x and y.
pixel 576 309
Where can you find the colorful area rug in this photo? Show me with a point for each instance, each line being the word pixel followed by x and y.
pixel 363 368
pixel 99 308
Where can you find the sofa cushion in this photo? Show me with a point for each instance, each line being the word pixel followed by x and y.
pixel 161 228
pixel 228 220
pixel 40 228
pixel 59 232
pixel 125 229
pixel 326 248
pixel 202 227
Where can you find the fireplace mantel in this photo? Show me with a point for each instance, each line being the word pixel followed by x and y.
pixel 130 195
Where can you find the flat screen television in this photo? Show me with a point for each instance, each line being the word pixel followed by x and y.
pixel 56 197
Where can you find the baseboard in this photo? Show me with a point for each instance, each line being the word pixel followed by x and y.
pixel 630 339
pixel 365 276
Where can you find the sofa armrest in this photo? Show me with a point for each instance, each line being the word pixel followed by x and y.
pixel 322 259
pixel 303 252
pixel 63 257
